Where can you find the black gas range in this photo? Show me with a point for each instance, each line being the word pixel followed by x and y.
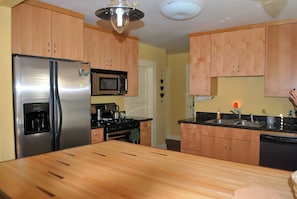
pixel 121 129
pixel 125 129
pixel 118 124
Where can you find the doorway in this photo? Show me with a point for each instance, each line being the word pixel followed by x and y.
pixel 190 100
pixel 143 105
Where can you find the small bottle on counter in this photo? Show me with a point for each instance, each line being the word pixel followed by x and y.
pixel 218 115
pixel 281 121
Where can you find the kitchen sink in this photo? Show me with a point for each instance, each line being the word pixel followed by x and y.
pixel 236 122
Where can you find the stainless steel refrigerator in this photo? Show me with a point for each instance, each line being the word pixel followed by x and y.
pixel 51 104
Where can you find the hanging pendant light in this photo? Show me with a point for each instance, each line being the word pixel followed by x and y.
pixel 120 13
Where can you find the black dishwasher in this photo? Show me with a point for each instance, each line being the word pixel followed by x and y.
pixel 278 152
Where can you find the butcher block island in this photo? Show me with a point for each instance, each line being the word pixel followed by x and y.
pixel 116 169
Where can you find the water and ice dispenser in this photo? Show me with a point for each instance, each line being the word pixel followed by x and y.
pixel 36 118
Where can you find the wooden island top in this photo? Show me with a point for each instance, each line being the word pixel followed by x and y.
pixel 116 169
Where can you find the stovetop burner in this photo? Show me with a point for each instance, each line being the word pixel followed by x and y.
pixel 111 125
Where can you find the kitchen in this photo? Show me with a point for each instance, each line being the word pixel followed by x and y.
pixel 159 55
pixel 223 100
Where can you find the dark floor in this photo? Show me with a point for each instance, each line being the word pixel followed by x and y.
pixel 173 145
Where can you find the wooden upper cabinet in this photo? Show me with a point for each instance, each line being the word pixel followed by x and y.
pixel 223 54
pixel 31 30
pixel 92 45
pixel 112 49
pixel 67 36
pixel 42 32
pixel 238 53
pixel 103 49
pixel 200 81
pixel 251 52
pixel 131 62
pixel 106 50
pixel 281 60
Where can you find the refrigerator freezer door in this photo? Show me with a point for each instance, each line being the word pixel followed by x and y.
pixel 31 86
pixel 75 99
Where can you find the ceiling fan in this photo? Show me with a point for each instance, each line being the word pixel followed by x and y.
pixel 273 7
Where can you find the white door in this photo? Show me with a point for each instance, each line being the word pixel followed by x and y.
pixel 143 104
pixel 140 105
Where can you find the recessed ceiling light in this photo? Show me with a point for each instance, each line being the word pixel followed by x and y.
pixel 181 9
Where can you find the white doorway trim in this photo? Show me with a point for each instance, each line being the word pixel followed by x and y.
pixel 152 84
pixel 190 105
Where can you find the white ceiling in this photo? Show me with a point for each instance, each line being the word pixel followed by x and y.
pixel 156 30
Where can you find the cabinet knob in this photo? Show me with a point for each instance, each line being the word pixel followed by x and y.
pixel 55 48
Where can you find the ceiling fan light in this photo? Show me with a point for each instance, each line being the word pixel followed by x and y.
pixel 181 9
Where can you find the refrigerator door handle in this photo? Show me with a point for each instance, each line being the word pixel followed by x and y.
pixel 58 107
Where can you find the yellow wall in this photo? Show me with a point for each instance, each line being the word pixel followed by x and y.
pixel 176 108
pixel 158 55
pixel 249 92
pixel 6 108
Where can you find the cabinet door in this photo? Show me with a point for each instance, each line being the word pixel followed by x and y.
pixel 213 142
pixel 112 51
pixel 281 60
pixel 31 30
pixel 92 45
pixel 224 54
pixel 97 135
pixel 247 152
pixel 251 52
pixel 67 36
pixel 244 146
pixel 190 138
pixel 131 61
pixel 200 81
pixel 145 133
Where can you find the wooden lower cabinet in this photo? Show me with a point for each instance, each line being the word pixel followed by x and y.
pixel 232 144
pixel 190 138
pixel 97 135
pixel 145 133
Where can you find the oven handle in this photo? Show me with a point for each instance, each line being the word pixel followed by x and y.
pixel 121 132
pixel 116 137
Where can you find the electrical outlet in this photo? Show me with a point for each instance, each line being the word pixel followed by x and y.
pixel 291 113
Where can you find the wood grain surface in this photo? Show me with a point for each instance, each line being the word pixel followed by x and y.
pixel 115 169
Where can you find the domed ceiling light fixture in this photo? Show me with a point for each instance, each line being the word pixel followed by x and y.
pixel 120 12
pixel 181 9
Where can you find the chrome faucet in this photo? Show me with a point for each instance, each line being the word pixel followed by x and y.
pixel 237 114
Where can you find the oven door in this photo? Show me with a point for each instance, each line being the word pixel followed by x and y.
pixel 129 135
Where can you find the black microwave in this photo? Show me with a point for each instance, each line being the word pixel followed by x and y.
pixel 108 82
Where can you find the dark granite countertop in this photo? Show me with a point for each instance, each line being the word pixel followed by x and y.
pixel 289 126
pixel 95 125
